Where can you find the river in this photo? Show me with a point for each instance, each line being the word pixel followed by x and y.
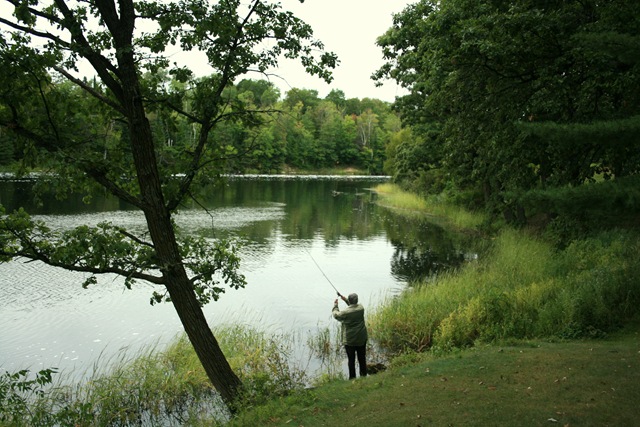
pixel 298 237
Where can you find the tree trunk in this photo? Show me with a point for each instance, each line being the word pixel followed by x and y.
pixel 179 287
pixel 204 342
pixel 162 234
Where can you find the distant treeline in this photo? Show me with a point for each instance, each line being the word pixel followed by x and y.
pixel 300 130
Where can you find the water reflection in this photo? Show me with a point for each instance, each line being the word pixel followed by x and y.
pixel 423 249
pixel 340 208
pixel 21 193
pixel 282 225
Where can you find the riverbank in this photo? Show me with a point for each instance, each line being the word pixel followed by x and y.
pixel 525 334
pixel 529 335
pixel 523 287
pixel 533 383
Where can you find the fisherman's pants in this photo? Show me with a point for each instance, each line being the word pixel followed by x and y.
pixel 361 352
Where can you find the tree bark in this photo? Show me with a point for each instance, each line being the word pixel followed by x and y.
pixel 158 218
pixel 176 279
pixel 204 342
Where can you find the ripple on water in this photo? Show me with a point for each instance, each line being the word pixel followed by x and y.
pixel 189 220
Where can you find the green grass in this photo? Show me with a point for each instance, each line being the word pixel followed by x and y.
pixel 536 383
pixel 523 288
pixel 437 207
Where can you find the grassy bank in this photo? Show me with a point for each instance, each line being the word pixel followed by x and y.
pixel 434 207
pixel 523 288
pixel 534 383
pixel 525 335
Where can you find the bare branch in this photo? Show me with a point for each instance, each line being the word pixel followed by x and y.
pixel 135 238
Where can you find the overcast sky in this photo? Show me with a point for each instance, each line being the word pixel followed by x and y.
pixel 350 29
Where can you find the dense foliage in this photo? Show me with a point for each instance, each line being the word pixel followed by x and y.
pixel 300 130
pixel 306 132
pixel 512 96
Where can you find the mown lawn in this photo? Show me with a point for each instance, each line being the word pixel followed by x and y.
pixel 573 383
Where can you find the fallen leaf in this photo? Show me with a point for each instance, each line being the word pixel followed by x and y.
pixel 552 420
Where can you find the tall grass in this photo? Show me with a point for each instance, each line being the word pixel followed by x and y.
pixel 264 361
pixel 524 288
pixel 158 387
pixel 393 196
pixel 326 346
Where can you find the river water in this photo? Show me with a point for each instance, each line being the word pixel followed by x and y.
pixel 292 232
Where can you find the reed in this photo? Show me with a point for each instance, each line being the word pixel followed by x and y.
pixel 436 206
pixel 524 288
pixel 326 347
pixel 158 386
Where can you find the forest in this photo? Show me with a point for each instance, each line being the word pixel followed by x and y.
pixel 512 108
pixel 528 109
pixel 299 131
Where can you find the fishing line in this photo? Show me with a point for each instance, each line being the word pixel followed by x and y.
pixel 325 276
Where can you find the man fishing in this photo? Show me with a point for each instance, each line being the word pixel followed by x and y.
pixel 354 333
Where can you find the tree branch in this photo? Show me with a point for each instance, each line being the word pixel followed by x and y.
pixel 209 122
pixel 135 238
pixel 89 90
pixel 38 256
pixel 100 64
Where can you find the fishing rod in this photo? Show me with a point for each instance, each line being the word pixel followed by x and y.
pixel 325 276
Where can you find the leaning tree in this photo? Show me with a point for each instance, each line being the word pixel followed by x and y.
pixel 122 56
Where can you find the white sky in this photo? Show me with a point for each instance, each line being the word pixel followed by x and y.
pixel 349 28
